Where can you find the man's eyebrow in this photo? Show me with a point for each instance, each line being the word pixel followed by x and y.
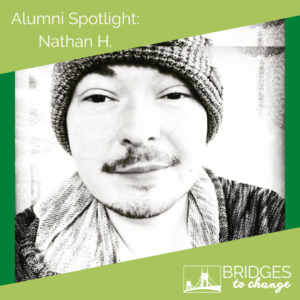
pixel 96 89
pixel 105 71
pixel 184 85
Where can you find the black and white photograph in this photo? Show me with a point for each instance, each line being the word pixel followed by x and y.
pixel 150 150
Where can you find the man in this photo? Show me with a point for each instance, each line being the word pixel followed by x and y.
pixel 136 123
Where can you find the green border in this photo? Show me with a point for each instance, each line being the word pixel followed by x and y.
pixel 161 276
pixel 292 67
pixel 7 178
pixel 7 84
pixel 158 21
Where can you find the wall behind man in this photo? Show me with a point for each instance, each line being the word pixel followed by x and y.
pixel 249 147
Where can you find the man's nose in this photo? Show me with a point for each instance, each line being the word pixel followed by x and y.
pixel 139 126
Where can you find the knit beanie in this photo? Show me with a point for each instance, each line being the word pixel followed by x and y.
pixel 189 58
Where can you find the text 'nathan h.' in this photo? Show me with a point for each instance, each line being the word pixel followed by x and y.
pixel 136 123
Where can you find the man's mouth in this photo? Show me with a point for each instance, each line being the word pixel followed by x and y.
pixel 138 163
pixel 140 169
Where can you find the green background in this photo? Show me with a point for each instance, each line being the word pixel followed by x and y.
pixel 158 21
pixel 161 275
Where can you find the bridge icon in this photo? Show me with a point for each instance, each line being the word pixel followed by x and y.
pixel 205 283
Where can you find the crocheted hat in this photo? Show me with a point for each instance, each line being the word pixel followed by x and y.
pixel 186 57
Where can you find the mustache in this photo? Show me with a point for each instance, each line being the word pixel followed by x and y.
pixel 133 156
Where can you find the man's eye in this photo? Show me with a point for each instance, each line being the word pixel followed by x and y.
pixel 96 98
pixel 174 96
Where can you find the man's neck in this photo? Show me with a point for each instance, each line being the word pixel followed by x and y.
pixel 165 233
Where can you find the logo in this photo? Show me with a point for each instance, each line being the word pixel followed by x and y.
pixel 202 279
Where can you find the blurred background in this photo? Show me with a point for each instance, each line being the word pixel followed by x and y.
pixel 249 148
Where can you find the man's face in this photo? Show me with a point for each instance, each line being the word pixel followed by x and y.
pixel 137 136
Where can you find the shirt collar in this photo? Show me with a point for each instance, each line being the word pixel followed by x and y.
pixel 75 232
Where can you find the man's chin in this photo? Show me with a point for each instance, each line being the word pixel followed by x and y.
pixel 142 209
pixel 135 214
